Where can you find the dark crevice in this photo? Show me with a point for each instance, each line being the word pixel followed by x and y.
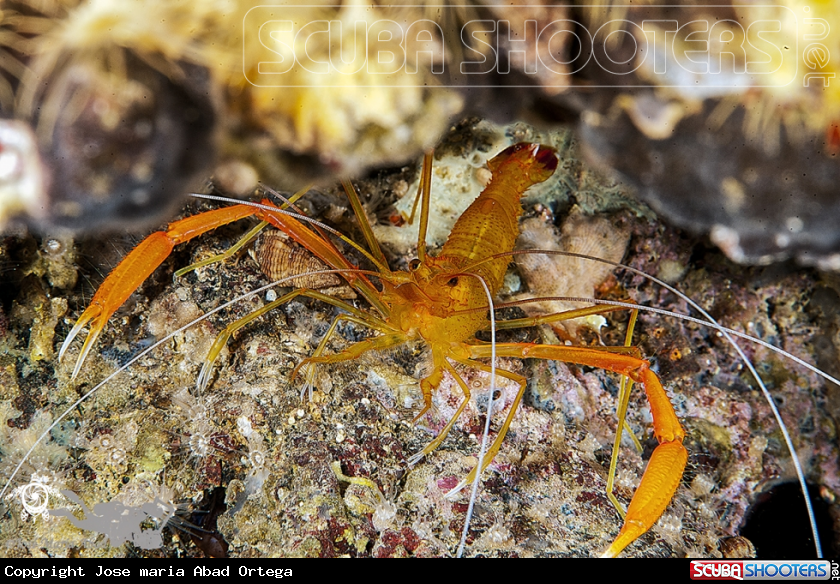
pixel 777 524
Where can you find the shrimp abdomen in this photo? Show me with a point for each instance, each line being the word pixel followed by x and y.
pixel 491 224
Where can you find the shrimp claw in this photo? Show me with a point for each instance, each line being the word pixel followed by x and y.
pixel 666 465
pixel 152 251
pixel 136 267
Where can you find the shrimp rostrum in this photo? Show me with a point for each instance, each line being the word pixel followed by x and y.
pixel 441 300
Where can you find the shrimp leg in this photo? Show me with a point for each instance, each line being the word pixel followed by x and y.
pixel 626 383
pixel 665 468
pixel 223 337
pixel 310 373
pixel 412 460
pixel 355 350
pixel 443 433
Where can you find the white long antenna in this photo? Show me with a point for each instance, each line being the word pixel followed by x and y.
pixel 145 352
pixel 484 436
pixel 728 334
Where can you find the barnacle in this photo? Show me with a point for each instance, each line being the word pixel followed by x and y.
pixel 384 511
pixel 737 547
pixel 197 417
pixel 199 441
pixel 166 507
pixel 497 537
pixel 256 460
pixel 279 257
pixel 111 452
pixel 126 100
pixel 750 120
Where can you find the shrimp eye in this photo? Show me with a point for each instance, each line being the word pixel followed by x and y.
pixel 453 281
pixel 413 264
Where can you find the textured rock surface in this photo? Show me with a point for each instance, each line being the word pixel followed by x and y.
pixel 258 460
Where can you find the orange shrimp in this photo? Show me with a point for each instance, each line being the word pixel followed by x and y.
pixel 442 300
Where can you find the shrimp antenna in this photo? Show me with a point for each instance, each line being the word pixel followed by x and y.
pixel 426 186
pixel 358 210
pixel 148 350
pixel 728 335
pixel 299 217
pixel 712 325
pixel 483 450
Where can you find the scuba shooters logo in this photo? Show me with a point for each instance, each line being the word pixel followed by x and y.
pixel 762 570
pixel 305 45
